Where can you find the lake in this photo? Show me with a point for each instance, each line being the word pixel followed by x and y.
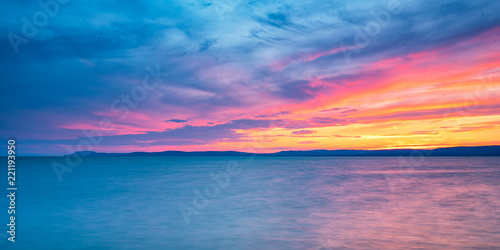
pixel 257 203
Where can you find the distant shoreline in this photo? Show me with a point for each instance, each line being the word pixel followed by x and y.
pixel 438 152
pixel 451 151
pixel 256 156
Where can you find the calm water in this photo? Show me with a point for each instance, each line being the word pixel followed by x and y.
pixel 266 203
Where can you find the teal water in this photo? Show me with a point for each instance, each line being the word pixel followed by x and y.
pixel 257 203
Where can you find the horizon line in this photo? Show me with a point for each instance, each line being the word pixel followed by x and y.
pixel 257 153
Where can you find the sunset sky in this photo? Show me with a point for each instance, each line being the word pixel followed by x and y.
pixel 250 76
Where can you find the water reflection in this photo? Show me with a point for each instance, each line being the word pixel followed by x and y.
pixel 274 203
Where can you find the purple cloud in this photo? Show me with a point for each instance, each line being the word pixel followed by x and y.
pixel 304 132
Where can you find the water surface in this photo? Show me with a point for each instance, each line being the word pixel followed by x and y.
pixel 267 203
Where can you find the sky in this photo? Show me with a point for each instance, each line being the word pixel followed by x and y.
pixel 254 76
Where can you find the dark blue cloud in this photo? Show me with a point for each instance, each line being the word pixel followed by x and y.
pixel 328 120
pixel 177 120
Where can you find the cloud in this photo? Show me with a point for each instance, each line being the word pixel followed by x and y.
pixel 346 136
pixel 327 120
pixel 348 111
pixel 303 132
pixel 177 120
pixel 274 115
